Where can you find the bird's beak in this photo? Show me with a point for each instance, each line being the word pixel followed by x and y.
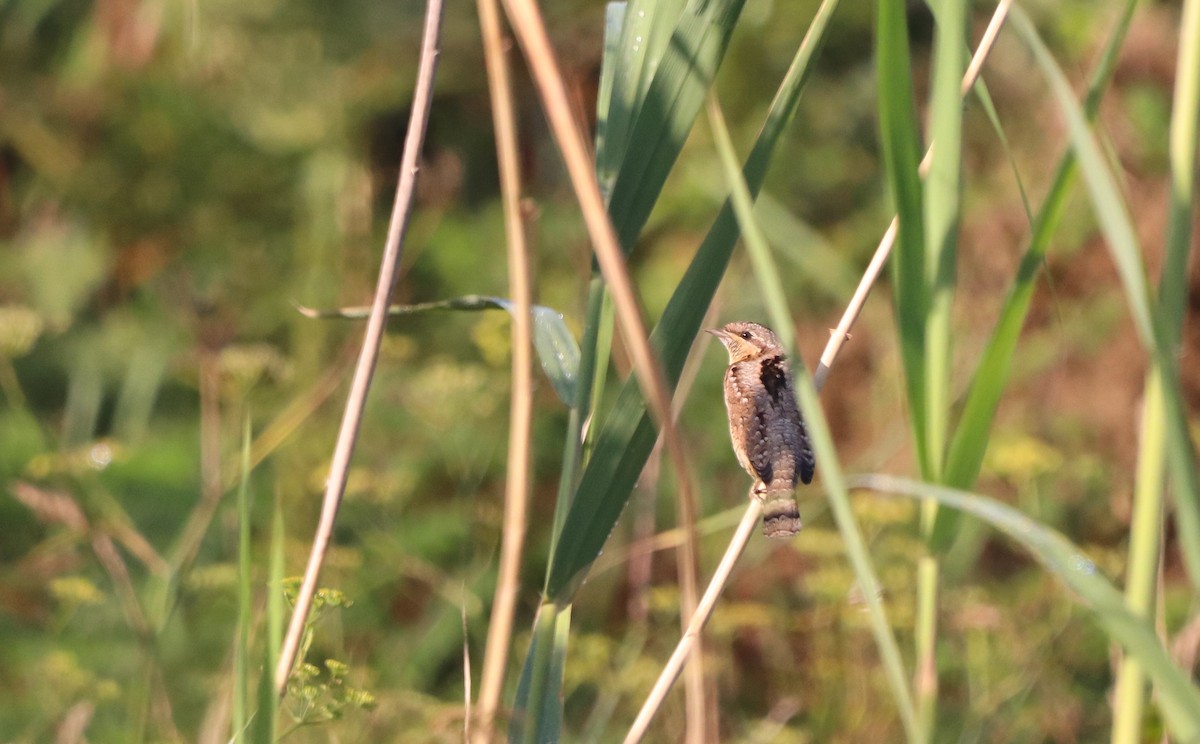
pixel 721 335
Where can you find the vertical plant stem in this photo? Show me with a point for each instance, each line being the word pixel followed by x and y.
pixel 531 32
pixel 241 649
pixel 516 490
pixel 365 369
pixel 1143 559
pixel 1145 544
pixel 942 205
pixel 543 633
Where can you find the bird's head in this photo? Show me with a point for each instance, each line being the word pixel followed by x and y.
pixel 745 340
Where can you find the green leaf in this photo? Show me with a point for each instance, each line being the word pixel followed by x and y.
pixel 539 699
pixel 766 271
pixel 1178 698
pixel 241 652
pixel 1155 332
pixel 970 440
pixel 942 204
pixel 899 137
pixel 833 479
pixel 666 113
pixel 556 348
pixel 627 436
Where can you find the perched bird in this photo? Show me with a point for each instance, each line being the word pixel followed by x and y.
pixel 767 431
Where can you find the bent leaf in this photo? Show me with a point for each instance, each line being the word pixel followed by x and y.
pixel 1177 697
pixel 556 348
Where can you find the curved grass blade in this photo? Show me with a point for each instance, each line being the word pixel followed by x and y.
pixel 836 491
pixel 970 440
pixel 1178 698
pixel 668 110
pixel 633 49
pixel 1155 331
pixel 241 652
pixel 627 436
pixel 556 348
pixel 899 139
pixel 766 271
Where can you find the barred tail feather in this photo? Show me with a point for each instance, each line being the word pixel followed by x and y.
pixel 781 516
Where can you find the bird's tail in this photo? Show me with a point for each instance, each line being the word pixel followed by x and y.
pixel 781 516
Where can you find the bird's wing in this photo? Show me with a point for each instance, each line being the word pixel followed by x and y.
pixel 786 428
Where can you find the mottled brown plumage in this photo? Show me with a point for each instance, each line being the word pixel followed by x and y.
pixel 765 424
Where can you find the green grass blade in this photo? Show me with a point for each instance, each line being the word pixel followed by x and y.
pixel 666 114
pixel 856 550
pixel 1114 220
pixel 638 46
pixel 1110 209
pixel 1178 698
pixel 899 137
pixel 1141 574
pixel 608 115
pixel 942 205
pixel 537 713
pixel 766 272
pixel 970 440
pixel 1185 120
pixel 989 110
pixel 241 653
pixel 262 728
pixel 627 436
pixel 805 251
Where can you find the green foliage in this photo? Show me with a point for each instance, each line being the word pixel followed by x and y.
pixel 176 180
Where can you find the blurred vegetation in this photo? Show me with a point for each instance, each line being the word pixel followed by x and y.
pixel 176 178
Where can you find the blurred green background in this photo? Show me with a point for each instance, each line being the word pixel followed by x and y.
pixel 176 178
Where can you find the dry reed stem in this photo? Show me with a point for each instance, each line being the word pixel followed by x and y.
pixel 530 30
pixel 837 338
pixel 691 636
pixel 356 401
pixel 516 489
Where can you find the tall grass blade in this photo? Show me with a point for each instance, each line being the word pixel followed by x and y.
pixel 637 46
pixel 537 715
pixel 627 436
pixel 970 440
pixel 900 138
pixel 1178 698
pixel 856 550
pixel 241 652
pixel 1185 121
pixel 668 110
pixel 766 272
pixel 1155 332
pixel 262 728
pixel 942 205
pixel 609 117
pixel 1146 528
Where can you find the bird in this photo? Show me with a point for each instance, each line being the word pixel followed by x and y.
pixel 768 433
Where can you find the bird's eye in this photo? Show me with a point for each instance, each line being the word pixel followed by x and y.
pixel 745 335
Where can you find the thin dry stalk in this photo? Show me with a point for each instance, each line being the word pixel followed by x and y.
pixel 516 491
pixel 841 334
pixel 530 30
pixel 356 401
pixel 837 338
pixel 691 636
